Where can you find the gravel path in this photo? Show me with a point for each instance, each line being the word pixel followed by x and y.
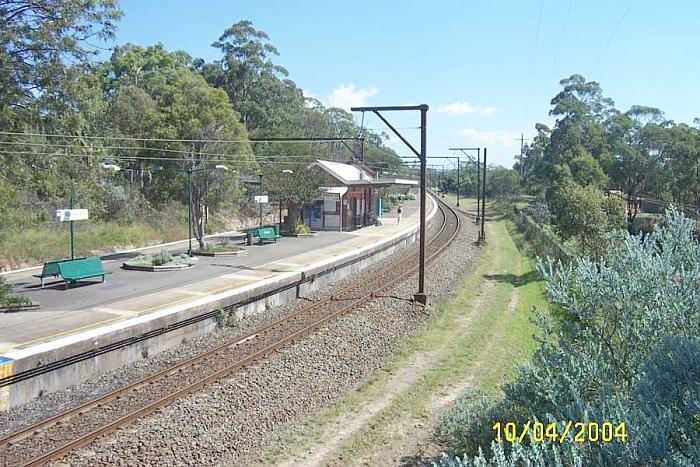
pixel 233 421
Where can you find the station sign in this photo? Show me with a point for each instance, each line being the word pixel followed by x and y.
pixel 261 199
pixel 71 214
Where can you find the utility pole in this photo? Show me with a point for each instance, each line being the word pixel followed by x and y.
pixel 478 174
pixel 443 168
pixel 522 150
pixel 483 202
pixel 420 296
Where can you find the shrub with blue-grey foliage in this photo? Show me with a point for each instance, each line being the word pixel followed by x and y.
pixel 622 344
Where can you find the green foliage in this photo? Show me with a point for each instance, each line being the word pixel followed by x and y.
pixel 9 300
pixel 161 258
pixel 587 214
pixel 38 38
pixel 623 347
pixel 639 151
pixel 539 212
pixel 302 229
pixel 148 93
pixel 502 183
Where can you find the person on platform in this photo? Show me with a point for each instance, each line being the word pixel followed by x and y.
pixel 399 211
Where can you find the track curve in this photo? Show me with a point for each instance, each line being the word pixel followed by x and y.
pixel 56 436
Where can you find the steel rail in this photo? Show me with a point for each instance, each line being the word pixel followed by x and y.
pixel 194 387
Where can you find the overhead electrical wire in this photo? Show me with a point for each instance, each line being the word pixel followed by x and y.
pixel 612 36
pixel 169 159
pixel 559 42
pixel 534 57
pixel 301 140
pixel 252 157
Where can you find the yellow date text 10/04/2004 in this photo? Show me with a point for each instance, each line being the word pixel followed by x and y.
pixel 578 432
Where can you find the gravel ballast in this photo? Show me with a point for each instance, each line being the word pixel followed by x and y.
pixel 233 421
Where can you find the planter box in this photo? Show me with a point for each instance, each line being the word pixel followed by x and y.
pixel 290 234
pixel 134 267
pixel 13 308
pixel 240 252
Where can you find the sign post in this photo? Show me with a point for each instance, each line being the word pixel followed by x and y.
pixel 70 215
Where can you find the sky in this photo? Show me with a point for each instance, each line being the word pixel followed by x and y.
pixel 488 70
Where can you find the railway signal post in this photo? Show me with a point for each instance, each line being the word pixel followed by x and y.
pixel 420 296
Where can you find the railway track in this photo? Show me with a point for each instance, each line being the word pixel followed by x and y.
pixel 56 436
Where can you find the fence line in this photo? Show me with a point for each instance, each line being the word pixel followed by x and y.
pixel 543 242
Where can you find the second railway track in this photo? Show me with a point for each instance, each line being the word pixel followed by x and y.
pixel 56 436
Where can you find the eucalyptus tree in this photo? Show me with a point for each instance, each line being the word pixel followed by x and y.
pixel 577 149
pixel 39 40
pixel 257 87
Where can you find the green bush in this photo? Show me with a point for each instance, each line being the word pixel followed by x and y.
pixel 586 214
pixel 161 258
pixel 623 346
pixel 302 229
pixel 6 297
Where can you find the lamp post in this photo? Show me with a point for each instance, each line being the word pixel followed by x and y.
pixel 260 177
pixel 284 172
pixel 190 171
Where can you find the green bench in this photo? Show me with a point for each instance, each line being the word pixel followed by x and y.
pixel 83 268
pixel 50 269
pixel 267 233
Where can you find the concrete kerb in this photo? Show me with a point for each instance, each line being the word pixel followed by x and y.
pixel 106 256
pixel 245 300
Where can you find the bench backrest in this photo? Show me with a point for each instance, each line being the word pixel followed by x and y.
pixel 267 232
pixel 51 267
pixel 81 267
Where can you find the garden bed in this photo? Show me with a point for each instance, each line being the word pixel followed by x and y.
pixel 293 234
pixel 221 248
pixel 158 262
pixel 18 307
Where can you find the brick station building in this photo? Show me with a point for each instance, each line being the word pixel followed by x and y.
pixel 350 198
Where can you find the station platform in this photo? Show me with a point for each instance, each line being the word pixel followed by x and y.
pixel 129 303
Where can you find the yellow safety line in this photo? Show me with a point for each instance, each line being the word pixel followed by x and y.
pixel 91 325
pixel 67 332
pixel 184 299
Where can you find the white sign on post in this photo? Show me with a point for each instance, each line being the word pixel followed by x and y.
pixel 71 214
pixel 261 199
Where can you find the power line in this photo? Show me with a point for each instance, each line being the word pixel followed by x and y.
pixel 612 36
pixel 534 56
pixel 170 159
pixel 252 157
pixel 561 40
pixel 176 140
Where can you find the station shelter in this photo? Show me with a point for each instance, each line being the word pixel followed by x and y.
pixel 350 196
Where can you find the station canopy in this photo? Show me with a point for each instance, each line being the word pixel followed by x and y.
pixel 357 175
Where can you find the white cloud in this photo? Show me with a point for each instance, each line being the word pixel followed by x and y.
pixel 348 95
pixel 459 108
pixel 505 139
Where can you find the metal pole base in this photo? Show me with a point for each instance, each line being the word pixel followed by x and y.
pixel 421 298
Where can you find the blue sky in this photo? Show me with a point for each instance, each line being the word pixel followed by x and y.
pixel 487 69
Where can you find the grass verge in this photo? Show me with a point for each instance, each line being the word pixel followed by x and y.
pixel 44 243
pixel 477 338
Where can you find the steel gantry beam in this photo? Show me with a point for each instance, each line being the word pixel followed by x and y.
pixel 478 175
pixel 458 163
pixel 480 186
pixel 420 296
